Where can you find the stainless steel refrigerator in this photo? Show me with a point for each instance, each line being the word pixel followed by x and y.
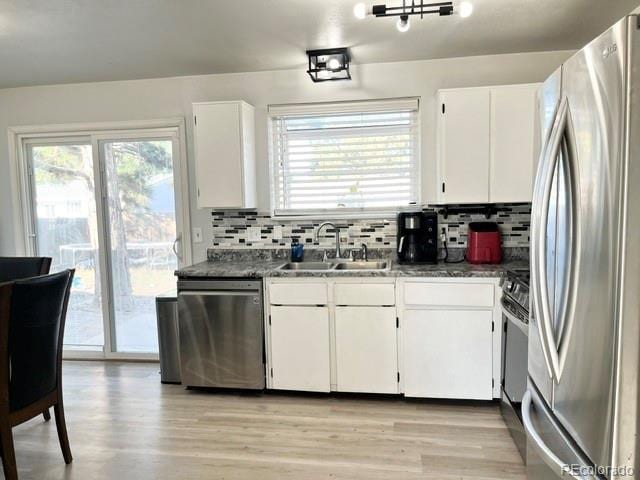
pixel 581 407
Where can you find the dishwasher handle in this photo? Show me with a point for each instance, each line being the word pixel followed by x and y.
pixel 218 293
pixel 219 285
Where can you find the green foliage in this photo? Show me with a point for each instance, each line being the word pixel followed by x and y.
pixel 60 163
pixel 137 166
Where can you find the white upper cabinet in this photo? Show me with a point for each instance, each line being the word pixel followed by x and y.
pixel 487 150
pixel 224 137
pixel 514 148
pixel 463 146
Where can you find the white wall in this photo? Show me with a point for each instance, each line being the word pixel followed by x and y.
pixel 170 97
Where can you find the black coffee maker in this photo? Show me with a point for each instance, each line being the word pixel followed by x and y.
pixel 417 237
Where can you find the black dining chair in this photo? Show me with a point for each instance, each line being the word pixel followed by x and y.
pixel 32 318
pixel 16 268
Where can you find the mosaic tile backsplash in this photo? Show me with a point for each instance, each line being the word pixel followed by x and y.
pixel 238 229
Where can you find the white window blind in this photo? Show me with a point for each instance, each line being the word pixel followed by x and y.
pixel 345 158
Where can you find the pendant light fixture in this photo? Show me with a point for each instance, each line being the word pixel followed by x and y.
pixel 409 8
pixel 403 24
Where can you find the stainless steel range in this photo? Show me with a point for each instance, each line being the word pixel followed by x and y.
pixel 515 324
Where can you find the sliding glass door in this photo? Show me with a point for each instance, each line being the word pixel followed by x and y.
pixel 65 228
pixel 142 230
pixel 106 205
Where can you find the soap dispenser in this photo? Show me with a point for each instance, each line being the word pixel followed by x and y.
pixel 297 250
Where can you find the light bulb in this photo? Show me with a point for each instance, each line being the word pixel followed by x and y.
pixel 334 64
pixel 360 10
pixel 466 9
pixel 403 24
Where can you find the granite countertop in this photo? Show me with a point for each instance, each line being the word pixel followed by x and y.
pixel 230 268
pixel 259 268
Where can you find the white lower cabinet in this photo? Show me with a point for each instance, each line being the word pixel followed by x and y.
pixel 343 335
pixel 448 353
pixel 366 349
pixel 300 353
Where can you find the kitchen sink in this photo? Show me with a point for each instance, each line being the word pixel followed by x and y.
pixel 372 265
pixel 311 266
pixel 307 266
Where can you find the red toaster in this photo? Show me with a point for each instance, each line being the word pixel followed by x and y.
pixel 484 244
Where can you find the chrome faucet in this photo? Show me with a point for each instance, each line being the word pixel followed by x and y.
pixel 330 224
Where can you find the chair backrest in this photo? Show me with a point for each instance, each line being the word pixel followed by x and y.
pixel 16 268
pixel 36 318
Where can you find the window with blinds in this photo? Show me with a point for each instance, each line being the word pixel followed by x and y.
pixel 345 158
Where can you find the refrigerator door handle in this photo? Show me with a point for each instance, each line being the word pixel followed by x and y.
pixel 562 295
pixel 557 143
pixel 547 455
pixel 562 140
pixel 536 219
pixel 569 298
pixel 542 197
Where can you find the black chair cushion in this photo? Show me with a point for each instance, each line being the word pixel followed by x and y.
pixel 16 268
pixel 37 309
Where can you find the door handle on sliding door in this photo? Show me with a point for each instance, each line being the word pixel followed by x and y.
pixel 175 243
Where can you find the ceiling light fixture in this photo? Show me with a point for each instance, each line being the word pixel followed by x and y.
pixel 407 9
pixel 333 64
pixel 403 24
pixel 466 9
pixel 360 10
pixel 329 64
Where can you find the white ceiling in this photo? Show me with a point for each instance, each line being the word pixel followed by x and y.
pixel 65 41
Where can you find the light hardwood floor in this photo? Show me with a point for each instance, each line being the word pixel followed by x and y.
pixel 123 424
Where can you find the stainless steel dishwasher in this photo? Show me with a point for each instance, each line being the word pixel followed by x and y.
pixel 221 333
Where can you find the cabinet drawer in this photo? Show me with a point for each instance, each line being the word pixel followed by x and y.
pixel 298 294
pixel 449 294
pixel 365 294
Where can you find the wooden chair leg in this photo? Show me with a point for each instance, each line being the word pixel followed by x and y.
pixel 8 453
pixel 61 425
pixel 46 415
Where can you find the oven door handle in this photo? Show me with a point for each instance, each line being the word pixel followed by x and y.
pixel 524 327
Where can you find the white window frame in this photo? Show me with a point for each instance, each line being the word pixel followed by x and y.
pixel 332 108
pixel 94 134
